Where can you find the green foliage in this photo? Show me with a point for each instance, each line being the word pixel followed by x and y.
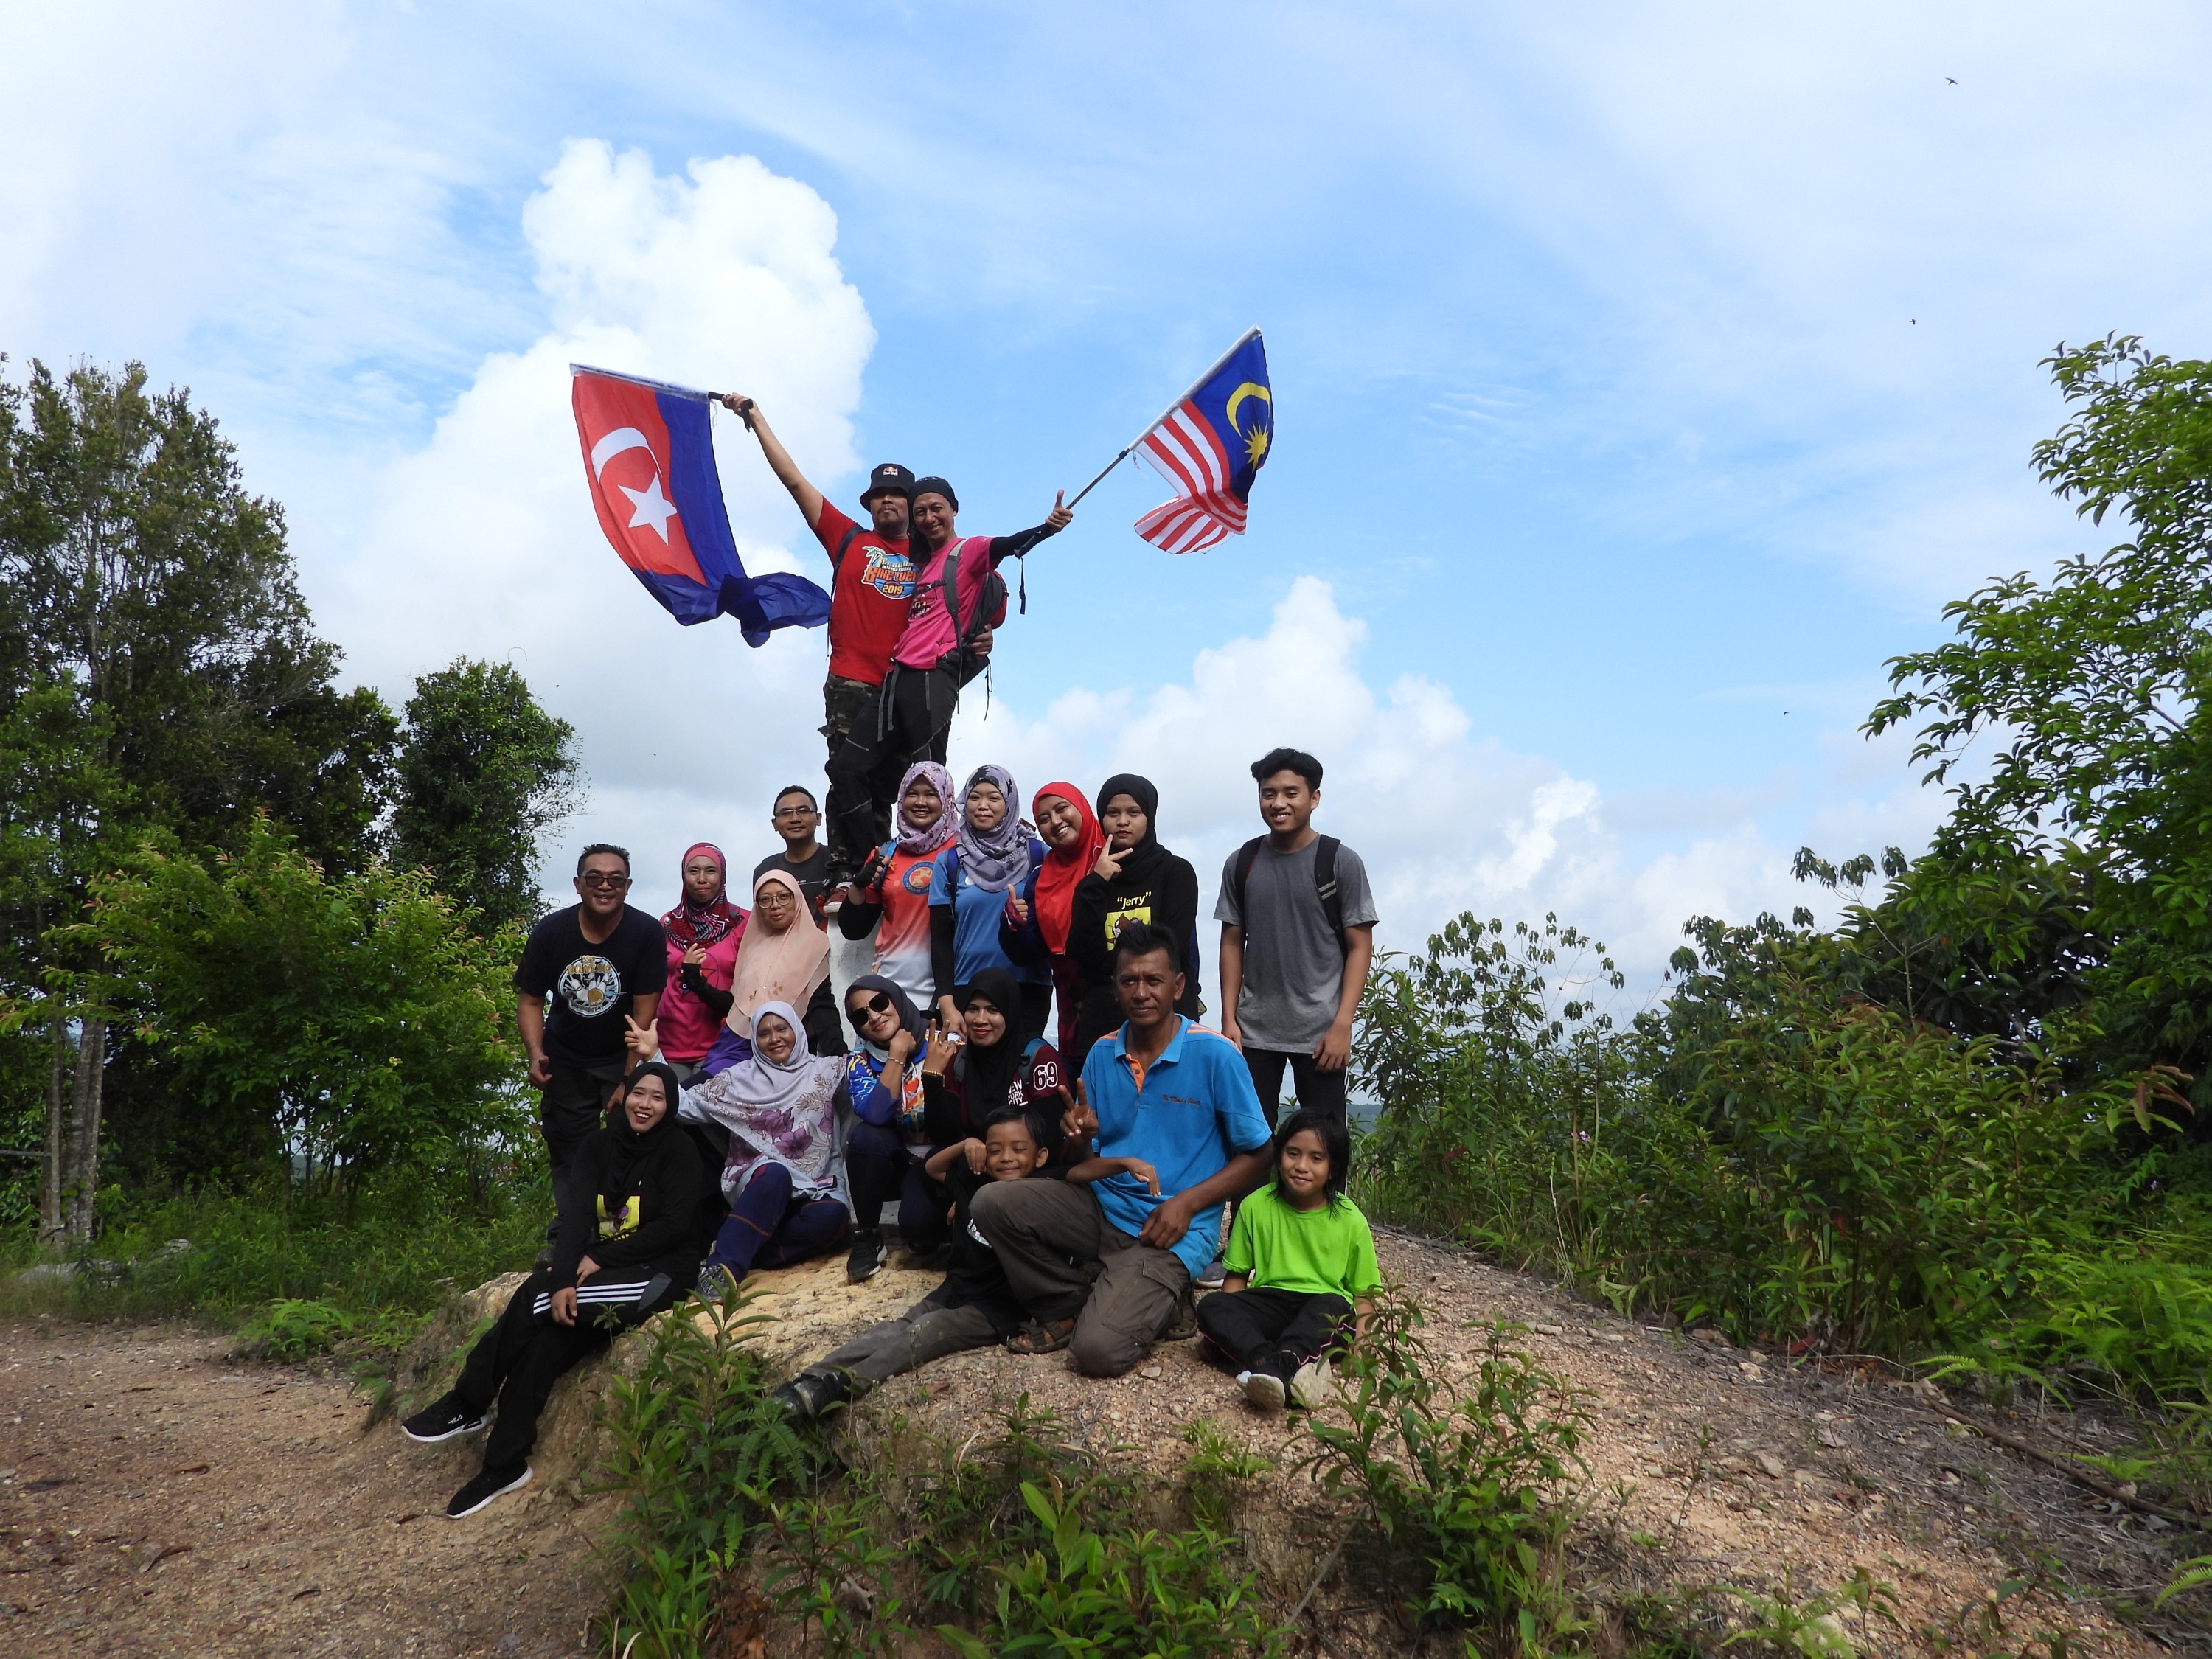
pixel 385 1261
pixel 1794 1162
pixel 355 1018
pixel 1814 1628
pixel 483 770
pixel 2093 684
pixel 135 568
pixel 702 1454
pixel 1458 1486
pixel 296 1329
pixel 1115 1591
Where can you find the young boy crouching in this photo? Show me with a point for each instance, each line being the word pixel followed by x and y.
pixel 974 1307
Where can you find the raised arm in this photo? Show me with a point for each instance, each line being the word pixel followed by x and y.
pixel 779 459
pixel 1006 547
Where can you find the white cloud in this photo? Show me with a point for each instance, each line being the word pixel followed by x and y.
pixel 1445 820
pixel 483 544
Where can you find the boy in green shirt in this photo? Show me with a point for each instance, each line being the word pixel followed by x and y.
pixel 1301 1266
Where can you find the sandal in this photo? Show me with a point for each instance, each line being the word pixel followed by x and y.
pixel 1041 1336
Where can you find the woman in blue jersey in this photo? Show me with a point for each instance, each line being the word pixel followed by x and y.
pixel 991 859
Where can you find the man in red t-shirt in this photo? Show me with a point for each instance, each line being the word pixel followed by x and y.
pixel 870 581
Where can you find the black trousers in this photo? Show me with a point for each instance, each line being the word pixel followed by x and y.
pixel 1272 1330
pixel 574 1103
pixel 1317 1090
pixel 518 1361
pixel 910 720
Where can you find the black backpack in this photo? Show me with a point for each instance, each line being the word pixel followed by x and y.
pixel 1331 898
pixel 990 599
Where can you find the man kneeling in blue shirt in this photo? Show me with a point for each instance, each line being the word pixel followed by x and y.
pixel 1101 1261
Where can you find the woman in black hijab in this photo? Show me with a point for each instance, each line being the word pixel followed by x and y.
pixel 628 1246
pixel 1135 879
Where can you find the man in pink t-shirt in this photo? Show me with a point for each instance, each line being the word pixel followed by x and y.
pixel 940 650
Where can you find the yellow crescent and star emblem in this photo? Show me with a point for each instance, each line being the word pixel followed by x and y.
pixel 1256 440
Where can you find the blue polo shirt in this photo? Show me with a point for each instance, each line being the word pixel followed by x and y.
pixel 1186 1115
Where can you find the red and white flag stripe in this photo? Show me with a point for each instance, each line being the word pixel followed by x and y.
pixel 1183 450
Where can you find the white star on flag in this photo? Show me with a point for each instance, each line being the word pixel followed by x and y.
pixel 653 508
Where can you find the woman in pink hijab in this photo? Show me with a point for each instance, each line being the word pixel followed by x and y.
pixel 704 932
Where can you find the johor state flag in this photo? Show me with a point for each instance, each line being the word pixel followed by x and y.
pixel 1210 446
pixel 649 459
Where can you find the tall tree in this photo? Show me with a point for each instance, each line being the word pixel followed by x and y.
pixel 142 587
pixel 482 769
pixel 2085 695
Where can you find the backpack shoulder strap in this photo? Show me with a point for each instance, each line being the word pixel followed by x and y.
pixel 1241 871
pixel 1331 897
pixel 844 544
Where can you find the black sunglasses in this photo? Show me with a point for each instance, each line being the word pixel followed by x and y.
pixel 877 1003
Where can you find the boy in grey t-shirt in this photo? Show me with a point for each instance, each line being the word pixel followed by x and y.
pixel 1289 980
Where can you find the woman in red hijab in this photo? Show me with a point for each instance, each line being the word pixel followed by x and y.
pixel 703 932
pixel 1036 927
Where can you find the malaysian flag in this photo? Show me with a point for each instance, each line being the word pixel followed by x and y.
pixel 1210 446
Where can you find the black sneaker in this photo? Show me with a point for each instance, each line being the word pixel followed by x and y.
pixel 441 1421
pixel 488 1484
pixel 867 1260
pixel 810 1393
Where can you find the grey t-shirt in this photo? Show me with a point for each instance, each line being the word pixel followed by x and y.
pixel 1293 962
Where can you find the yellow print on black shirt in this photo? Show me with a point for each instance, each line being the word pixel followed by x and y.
pixel 1129 912
pixel 625 1220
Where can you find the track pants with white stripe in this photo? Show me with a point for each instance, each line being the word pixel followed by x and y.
pixel 518 1360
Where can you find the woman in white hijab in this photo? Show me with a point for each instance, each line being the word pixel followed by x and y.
pixel 785 1174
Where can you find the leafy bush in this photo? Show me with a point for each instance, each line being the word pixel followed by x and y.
pixel 295 1330
pixel 1798 1165
pixel 1458 1488
pixel 357 1016
pixel 386 1260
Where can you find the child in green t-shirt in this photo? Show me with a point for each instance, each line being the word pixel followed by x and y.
pixel 1301 1262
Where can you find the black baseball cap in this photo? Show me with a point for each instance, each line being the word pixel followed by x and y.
pixel 889 476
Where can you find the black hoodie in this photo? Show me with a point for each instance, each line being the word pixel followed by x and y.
pixel 1154 886
pixel 630 1199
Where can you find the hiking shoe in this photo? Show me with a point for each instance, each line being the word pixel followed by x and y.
pixel 867 1260
pixel 1265 1389
pixel 1313 1384
pixel 488 1484
pixel 441 1421
pixel 715 1283
pixel 810 1393
pixel 1184 1325
pixel 1211 1279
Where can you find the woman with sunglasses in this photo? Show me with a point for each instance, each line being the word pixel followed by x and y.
pixel 888 1141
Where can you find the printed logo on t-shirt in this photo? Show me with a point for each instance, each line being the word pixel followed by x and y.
pixel 978 1236
pixel 1138 914
pixel 889 573
pixel 625 1219
pixel 589 985
pixel 918 876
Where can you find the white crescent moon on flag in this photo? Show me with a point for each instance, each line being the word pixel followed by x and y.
pixel 622 438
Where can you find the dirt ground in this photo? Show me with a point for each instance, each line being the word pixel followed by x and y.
pixel 157 1496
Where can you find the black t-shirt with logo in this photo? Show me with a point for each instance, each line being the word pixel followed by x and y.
pixel 587 987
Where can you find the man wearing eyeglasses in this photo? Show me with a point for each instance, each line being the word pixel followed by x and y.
pixel 804 860
pixel 595 962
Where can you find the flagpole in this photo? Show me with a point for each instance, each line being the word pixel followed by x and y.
pixel 1242 340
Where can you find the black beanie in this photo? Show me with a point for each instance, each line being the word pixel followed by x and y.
pixel 933 485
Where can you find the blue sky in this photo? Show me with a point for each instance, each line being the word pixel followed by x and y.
pixel 1645 376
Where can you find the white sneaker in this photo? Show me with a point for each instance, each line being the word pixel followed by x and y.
pixel 1315 1385
pixel 1264 1390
